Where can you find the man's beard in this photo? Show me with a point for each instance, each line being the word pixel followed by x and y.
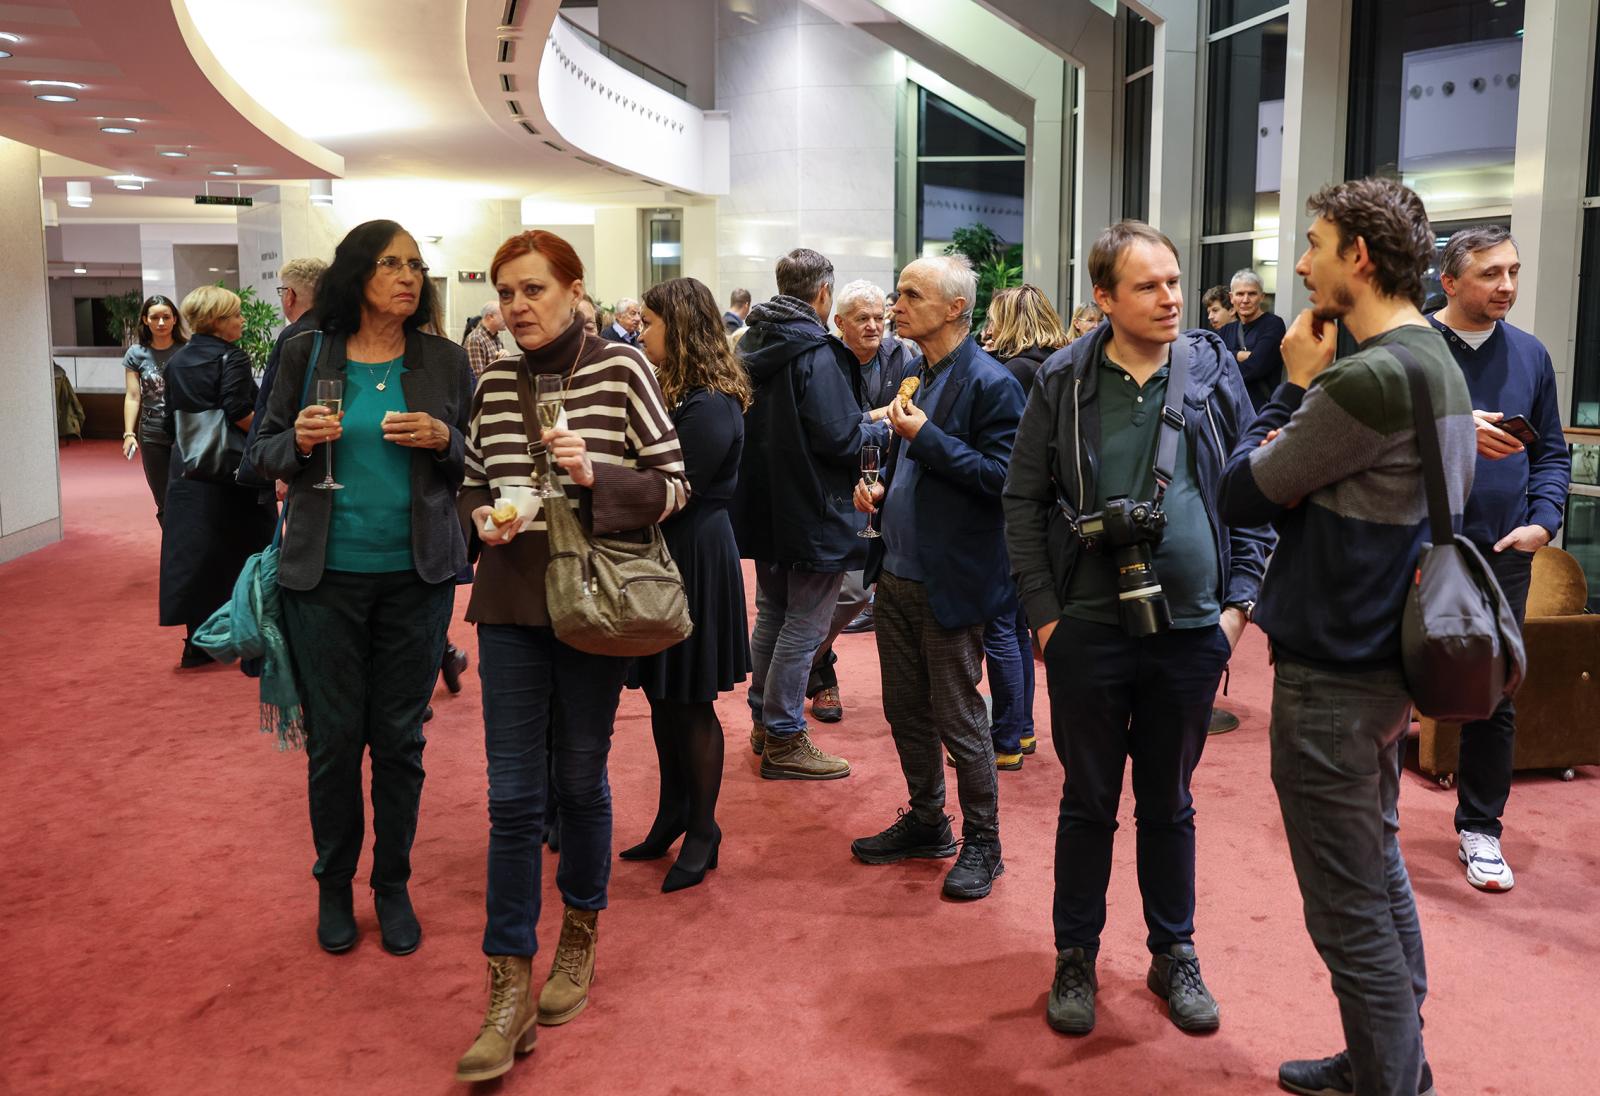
pixel 1337 308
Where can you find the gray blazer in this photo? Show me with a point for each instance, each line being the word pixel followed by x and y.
pixel 437 380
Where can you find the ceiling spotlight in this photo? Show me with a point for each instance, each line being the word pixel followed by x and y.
pixel 135 121
pixel 174 154
pixel 128 182
pixel 4 53
pixel 219 171
pixel 322 192
pixel 78 195
pixel 117 129
pixel 80 270
pixel 73 84
pixel 56 98
pixel 7 36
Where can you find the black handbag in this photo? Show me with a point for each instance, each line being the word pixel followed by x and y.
pixel 209 445
pixel 1460 646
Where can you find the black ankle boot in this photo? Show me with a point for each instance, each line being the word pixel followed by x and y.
pixel 401 933
pixel 336 919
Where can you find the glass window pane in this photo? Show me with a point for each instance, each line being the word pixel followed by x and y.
pixel 1136 99
pixel 955 195
pixel 1433 98
pixel 1244 129
pixel 1594 138
pixel 1225 13
pixel 945 129
pixel 1140 43
pixel 1581 537
pixel 1586 360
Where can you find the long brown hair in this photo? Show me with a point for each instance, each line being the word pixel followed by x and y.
pixel 1021 318
pixel 698 354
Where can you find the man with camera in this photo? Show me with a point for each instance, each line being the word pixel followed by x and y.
pixel 1137 593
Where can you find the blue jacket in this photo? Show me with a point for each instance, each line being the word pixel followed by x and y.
pixel 1059 439
pixel 963 450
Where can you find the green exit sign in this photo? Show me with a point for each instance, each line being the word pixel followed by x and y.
pixel 222 199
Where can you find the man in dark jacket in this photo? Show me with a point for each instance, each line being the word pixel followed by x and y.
pixel 1254 338
pixel 297 291
pixel 941 571
pixel 792 512
pixel 738 310
pixel 1108 421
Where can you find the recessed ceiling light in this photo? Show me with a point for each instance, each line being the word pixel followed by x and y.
pixel 219 171
pixel 80 270
pixel 56 98
pixel 174 154
pixel 7 36
pixel 128 182
pixel 73 84
pixel 135 121
pixel 4 53
pixel 117 129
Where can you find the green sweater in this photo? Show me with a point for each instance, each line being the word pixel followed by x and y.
pixel 370 531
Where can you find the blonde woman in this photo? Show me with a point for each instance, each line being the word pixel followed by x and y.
pixel 1026 331
pixel 1085 320
pixel 209 528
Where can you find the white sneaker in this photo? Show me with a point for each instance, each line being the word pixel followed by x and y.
pixel 1486 866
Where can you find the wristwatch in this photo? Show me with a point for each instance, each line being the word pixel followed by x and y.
pixel 1248 608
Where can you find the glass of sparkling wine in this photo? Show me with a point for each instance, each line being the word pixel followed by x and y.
pixel 548 387
pixel 869 476
pixel 330 394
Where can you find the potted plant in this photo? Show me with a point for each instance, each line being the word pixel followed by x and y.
pixel 998 264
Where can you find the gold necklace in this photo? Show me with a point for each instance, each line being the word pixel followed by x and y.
pixel 383 384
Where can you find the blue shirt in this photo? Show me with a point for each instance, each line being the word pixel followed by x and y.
pixel 900 519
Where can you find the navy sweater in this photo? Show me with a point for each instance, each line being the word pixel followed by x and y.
pixel 1512 373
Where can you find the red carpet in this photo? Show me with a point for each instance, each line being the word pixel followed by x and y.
pixel 158 909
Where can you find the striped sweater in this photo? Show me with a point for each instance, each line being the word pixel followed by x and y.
pixel 613 400
pixel 1342 484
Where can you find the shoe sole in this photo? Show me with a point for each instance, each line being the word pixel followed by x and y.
pixel 768 773
pixel 827 715
pixel 397 951
pixel 956 892
pixel 1155 987
pixel 556 1019
pixel 1302 1090
pixel 1067 1027
pixel 1030 747
pixel 1488 886
pixel 341 949
pixel 523 1045
pixel 1009 768
pixel 921 852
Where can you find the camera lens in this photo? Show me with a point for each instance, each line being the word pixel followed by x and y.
pixel 1141 603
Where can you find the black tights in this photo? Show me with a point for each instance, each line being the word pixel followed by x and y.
pixel 689 747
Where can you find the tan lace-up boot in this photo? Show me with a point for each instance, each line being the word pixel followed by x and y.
pixel 567 991
pixel 508 1027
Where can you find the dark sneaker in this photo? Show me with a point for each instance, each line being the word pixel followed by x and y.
pixel 1071 1005
pixel 1332 1077
pixel 826 705
pixel 974 871
pixel 904 839
pixel 795 758
pixel 1175 975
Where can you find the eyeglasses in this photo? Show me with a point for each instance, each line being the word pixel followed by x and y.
pixel 282 289
pixel 393 264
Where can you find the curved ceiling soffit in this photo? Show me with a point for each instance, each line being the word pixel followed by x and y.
pixel 156 70
pixel 539 82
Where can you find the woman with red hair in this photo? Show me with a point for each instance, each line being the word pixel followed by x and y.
pixel 617 460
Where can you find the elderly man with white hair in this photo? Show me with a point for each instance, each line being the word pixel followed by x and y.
pixel 881 364
pixel 1254 338
pixel 483 341
pixel 942 574
pixel 624 327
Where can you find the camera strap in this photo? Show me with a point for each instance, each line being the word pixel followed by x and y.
pixel 1171 428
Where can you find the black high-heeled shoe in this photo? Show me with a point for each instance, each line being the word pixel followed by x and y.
pixel 652 848
pixel 680 877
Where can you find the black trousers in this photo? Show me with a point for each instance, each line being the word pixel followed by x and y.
pixel 1113 697
pixel 1483 775
pixel 366 652
pixel 156 459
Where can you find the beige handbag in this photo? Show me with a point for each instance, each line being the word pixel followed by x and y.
pixel 607 595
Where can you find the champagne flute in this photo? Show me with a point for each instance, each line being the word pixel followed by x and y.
pixel 869 476
pixel 330 394
pixel 548 407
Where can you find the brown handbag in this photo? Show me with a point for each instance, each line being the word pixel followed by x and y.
pixel 607 595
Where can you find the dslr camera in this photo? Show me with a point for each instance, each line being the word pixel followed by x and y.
pixel 1130 529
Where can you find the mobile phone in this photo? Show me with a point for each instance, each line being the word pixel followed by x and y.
pixel 1520 428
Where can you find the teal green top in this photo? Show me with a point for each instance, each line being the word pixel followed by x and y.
pixel 370 531
pixel 1186 558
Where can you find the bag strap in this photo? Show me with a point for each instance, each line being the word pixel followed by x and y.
pixel 1427 445
pixel 1171 427
pixel 305 391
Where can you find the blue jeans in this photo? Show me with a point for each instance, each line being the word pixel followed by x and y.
pixel 542 697
pixel 793 612
pixel 1008 653
pixel 1337 739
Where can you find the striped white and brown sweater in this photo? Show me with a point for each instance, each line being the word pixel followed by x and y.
pixel 613 400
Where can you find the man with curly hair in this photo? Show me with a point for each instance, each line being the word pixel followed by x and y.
pixel 1332 461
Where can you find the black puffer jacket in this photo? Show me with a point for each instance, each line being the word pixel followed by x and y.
pixel 803 439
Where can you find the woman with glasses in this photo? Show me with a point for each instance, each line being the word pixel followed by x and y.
pixel 208 527
pixel 614 458
pixel 144 407
pixel 369 437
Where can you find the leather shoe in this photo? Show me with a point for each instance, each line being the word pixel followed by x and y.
pixel 401 933
pixel 1333 1077
pixel 454 664
pixel 863 622
pixel 336 920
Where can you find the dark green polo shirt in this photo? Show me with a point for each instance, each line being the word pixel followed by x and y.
pixel 1186 559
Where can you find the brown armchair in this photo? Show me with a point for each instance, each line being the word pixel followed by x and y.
pixel 1558 704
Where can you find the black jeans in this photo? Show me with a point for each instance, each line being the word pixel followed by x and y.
pixel 156 459
pixel 366 652
pixel 1113 697
pixel 1483 774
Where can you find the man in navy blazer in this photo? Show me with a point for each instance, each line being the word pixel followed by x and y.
pixel 942 574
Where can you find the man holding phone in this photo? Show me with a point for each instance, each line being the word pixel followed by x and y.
pixel 1519 493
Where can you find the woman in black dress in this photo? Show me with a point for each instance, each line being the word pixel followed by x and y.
pixel 707 392
pixel 209 528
